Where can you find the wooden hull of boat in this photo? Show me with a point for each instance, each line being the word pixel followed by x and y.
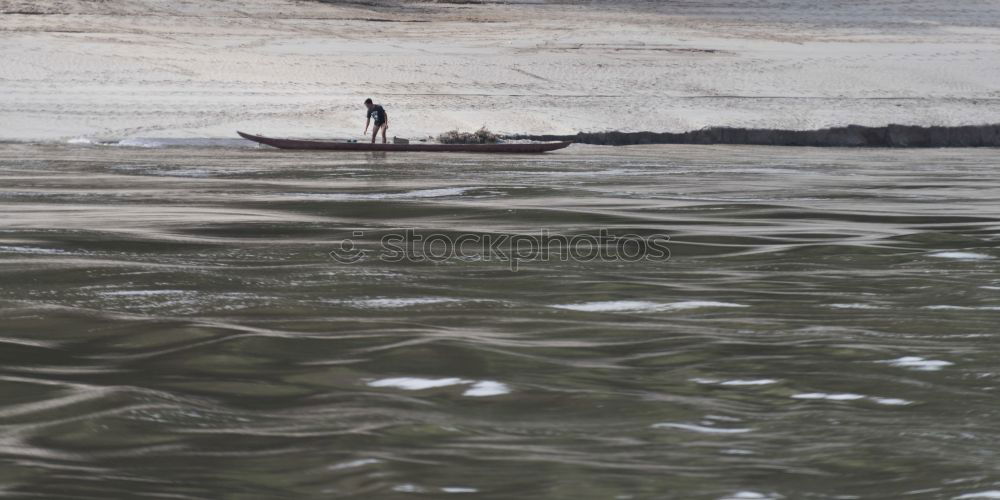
pixel 540 147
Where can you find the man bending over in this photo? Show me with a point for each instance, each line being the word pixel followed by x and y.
pixel 376 112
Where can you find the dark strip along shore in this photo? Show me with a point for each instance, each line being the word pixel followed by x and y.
pixel 891 136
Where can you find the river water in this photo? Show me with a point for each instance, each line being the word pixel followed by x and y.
pixel 217 322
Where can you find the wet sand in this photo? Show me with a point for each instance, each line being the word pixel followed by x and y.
pixel 113 70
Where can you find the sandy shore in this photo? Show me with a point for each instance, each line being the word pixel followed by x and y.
pixel 158 68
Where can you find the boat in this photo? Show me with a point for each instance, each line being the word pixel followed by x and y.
pixel 533 147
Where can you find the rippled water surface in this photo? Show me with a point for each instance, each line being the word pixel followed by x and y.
pixel 174 326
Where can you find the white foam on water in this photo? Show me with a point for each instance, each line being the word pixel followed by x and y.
pixel 612 306
pixel 735 382
pixel 698 304
pixel 918 363
pixel 28 342
pixel 167 142
pixel 140 143
pixel 750 495
pixel 643 305
pixel 486 388
pixel 392 303
pixel 31 250
pixel 354 463
pixel 855 306
pixel 961 255
pixel 418 384
pixel 701 380
pixel 962 308
pixel 848 396
pixel 700 428
pixel 142 293
pixel 458 489
pixel 588 173
pixel 435 193
pixel 416 194
pixel 981 494
pixel 408 488
pixel 892 401
pixel 478 388
pixel 760 381
pixel 845 396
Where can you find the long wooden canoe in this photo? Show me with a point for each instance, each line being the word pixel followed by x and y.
pixel 538 147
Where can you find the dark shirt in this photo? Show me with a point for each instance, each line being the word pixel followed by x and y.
pixel 377 113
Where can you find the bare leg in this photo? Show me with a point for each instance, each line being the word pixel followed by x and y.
pixel 374 134
pixel 383 133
